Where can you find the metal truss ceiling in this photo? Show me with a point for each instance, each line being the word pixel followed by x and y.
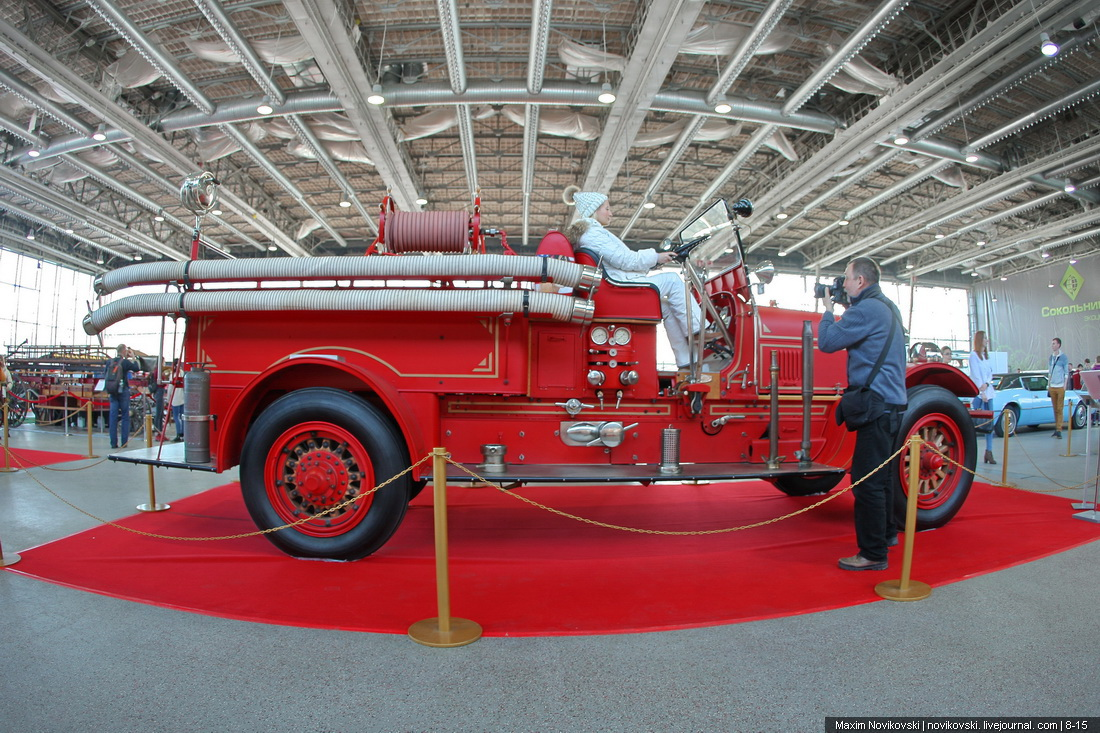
pixel 979 156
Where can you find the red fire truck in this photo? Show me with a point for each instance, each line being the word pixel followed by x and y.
pixel 321 377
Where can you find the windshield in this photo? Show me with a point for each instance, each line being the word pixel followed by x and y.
pixel 716 223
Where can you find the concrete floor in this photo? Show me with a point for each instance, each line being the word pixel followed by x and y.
pixel 1020 642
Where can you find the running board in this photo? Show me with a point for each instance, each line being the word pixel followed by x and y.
pixel 169 455
pixel 641 473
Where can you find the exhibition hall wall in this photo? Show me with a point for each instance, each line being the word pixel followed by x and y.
pixel 1023 313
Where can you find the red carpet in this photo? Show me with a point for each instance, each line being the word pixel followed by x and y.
pixel 27 458
pixel 519 571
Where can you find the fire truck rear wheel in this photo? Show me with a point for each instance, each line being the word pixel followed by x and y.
pixel 309 452
pixel 807 485
pixel 941 420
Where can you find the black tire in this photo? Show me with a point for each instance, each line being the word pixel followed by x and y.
pixel 943 422
pixel 807 485
pixel 312 449
pixel 1013 413
pixel 1080 415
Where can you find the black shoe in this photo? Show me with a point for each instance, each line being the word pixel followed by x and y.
pixel 1057 434
pixel 892 542
pixel 859 562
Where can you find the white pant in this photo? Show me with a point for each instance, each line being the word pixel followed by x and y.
pixel 674 309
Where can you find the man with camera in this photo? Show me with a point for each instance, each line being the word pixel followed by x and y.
pixel 871 330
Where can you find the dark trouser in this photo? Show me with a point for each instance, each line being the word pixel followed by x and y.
pixel 119 416
pixel 876 502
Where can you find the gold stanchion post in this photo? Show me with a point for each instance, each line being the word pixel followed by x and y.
pixel 1069 433
pixel 88 420
pixel 905 589
pixel 7 558
pixel 7 452
pixel 152 506
pixel 443 631
pixel 1004 455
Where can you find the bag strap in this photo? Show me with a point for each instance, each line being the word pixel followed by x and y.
pixel 889 339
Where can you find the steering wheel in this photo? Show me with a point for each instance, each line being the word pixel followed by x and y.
pixel 681 253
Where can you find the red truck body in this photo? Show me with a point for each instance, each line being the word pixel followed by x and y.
pixel 319 404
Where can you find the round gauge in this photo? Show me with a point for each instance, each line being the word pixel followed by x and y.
pixel 599 335
pixel 621 336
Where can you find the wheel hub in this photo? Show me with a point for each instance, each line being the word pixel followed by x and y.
pixel 321 478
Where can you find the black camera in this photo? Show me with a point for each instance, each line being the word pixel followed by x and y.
pixel 834 291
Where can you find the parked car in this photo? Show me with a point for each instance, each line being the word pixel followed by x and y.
pixel 1022 396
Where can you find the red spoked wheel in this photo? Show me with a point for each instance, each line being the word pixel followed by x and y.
pixel 943 423
pixel 313 468
pixel 312 450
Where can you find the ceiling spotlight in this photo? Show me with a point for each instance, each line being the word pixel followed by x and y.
pixel 421 201
pixel 649 205
pixel 1045 254
pixel 345 204
pixel 971 157
pixel 34 152
pixel 782 253
pixel 376 95
pixel 941 235
pixel 843 223
pixel 264 107
pixel 901 139
pixel 216 212
pixel 272 248
pixel 159 216
pixel 1050 285
pixel 980 242
pixel 1069 187
pixel 606 95
pixel 137 256
pixel 1047 46
pixel 30 234
pixel 1003 278
pixel 909 265
pixel 973 274
pixel 99 260
pixel 100 134
pixel 1073 260
pixel 781 215
pixel 68 231
pixel 722 106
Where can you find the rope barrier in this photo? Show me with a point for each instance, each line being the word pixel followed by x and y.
pixel 240 535
pixel 724 530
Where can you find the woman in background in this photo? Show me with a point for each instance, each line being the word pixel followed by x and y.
pixel 981 371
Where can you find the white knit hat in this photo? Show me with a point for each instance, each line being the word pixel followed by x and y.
pixel 586 201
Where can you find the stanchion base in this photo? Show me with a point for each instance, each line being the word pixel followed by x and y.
pixel 1090 516
pixel 1071 455
pixel 6 469
pixel 153 507
pixel 427 632
pixel 1082 505
pixel 8 559
pixel 91 456
pixel 891 590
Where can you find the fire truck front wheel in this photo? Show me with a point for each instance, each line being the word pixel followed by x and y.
pixel 313 455
pixel 942 422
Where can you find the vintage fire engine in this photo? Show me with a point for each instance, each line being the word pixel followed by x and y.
pixel 324 376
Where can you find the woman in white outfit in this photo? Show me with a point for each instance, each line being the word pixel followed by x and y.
pixel 624 264
pixel 981 371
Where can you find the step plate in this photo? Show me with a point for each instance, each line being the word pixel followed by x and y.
pixel 643 473
pixel 169 455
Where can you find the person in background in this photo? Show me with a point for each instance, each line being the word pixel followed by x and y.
pixel 871 332
pixel 1057 376
pixel 981 371
pixel 177 408
pixel 6 379
pixel 946 354
pixel 118 392
pixel 1096 365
